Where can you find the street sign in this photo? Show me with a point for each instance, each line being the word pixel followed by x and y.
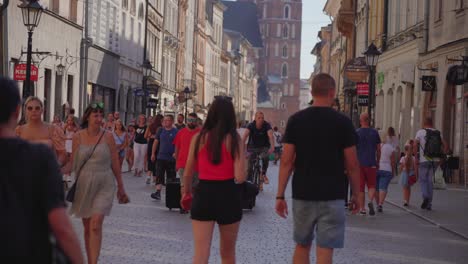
pixel 152 103
pixel 20 72
pixel 429 83
pixel 140 92
pixel 363 93
pixel 356 69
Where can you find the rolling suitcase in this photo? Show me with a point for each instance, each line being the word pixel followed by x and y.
pixel 249 195
pixel 173 193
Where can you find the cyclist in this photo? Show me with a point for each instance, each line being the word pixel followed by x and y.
pixel 260 135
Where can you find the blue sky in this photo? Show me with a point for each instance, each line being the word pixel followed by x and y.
pixel 313 19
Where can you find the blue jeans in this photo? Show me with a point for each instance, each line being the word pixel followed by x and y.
pixel 383 180
pixel 324 218
pixel 426 176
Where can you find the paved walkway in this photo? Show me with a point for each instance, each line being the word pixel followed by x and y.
pixel 144 231
pixel 449 207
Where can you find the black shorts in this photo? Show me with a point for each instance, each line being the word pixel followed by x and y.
pixel 165 168
pixel 150 164
pixel 219 201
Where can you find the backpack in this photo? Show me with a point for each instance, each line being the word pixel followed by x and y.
pixel 433 147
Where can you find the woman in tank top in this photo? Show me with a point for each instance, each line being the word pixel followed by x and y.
pixel 218 154
pixel 121 139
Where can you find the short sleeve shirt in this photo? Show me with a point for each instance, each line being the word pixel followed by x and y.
pixel 140 135
pixel 368 140
pixel 166 143
pixel 182 143
pixel 258 138
pixel 320 136
pixel 385 162
pixel 30 188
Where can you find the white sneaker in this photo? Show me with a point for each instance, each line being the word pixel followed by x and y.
pixel 148 180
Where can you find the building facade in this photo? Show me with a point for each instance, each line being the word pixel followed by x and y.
pixel 58 61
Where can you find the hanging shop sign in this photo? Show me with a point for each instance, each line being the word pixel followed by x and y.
pixel 429 83
pixel 152 103
pixel 20 72
pixel 363 93
pixel 356 69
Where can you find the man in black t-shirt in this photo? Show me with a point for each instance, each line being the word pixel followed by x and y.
pixel 260 135
pixel 32 202
pixel 319 144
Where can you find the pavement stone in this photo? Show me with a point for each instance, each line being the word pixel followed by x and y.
pixel 145 231
pixel 449 206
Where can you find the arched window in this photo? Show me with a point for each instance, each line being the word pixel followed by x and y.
pixel 124 4
pixel 285 51
pixel 133 7
pixel 286 12
pixel 140 11
pixel 284 70
pixel 285 31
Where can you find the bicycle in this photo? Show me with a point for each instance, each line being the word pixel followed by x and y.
pixel 256 169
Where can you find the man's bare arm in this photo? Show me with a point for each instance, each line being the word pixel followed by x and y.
pixel 66 238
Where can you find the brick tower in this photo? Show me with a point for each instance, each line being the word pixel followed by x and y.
pixel 279 68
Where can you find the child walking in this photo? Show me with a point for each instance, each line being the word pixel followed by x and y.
pixel 408 173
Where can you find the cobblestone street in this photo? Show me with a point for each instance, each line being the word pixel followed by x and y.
pixel 145 231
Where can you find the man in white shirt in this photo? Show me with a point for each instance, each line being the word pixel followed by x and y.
pixel 427 163
pixel 277 138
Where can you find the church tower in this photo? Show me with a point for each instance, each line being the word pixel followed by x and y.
pixel 279 68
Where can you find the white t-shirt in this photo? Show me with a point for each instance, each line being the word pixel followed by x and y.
pixel 402 162
pixel 241 131
pixel 277 138
pixel 421 137
pixel 394 142
pixel 386 152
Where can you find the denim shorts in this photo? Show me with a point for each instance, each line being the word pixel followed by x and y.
pixel 383 180
pixel 324 220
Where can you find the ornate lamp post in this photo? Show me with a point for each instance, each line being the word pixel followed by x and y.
pixel 147 69
pixel 372 56
pixel 31 12
pixel 187 96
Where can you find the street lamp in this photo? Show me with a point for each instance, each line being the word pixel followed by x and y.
pixel 32 12
pixel 187 96
pixel 372 56
pixel 147 69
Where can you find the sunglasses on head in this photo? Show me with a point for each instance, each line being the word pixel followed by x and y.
pixel 223 97
pixel 191 120
pixel 97 105
pixel 31 108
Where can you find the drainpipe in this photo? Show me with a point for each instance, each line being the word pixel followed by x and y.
pixel 426 25
pixel 4 33
pixel 330 45
pixel 84 60
pixel 385 27
pixel 367 25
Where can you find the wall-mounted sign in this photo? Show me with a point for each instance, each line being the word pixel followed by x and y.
pixel 152 103
pixel 356 69
pixel 380 79
pixel 429 83
pixel 363 93
pixel 20 72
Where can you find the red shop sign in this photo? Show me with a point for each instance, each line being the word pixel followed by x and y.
pixel 20 72
pixel 362 88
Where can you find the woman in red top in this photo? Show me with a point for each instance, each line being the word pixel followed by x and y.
pixel 218 153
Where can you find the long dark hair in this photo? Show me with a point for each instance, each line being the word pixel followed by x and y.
pixel 157 123
pixel 90 109
pixel 220 122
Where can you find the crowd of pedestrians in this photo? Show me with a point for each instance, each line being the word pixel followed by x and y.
pixel 320 149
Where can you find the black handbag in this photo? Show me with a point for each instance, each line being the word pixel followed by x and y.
pixel 71 192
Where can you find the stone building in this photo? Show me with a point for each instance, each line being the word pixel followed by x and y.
pixel 58 61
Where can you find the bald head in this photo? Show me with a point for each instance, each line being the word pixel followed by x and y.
pixel 428 122
pixel 364 120
pixel 322 84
